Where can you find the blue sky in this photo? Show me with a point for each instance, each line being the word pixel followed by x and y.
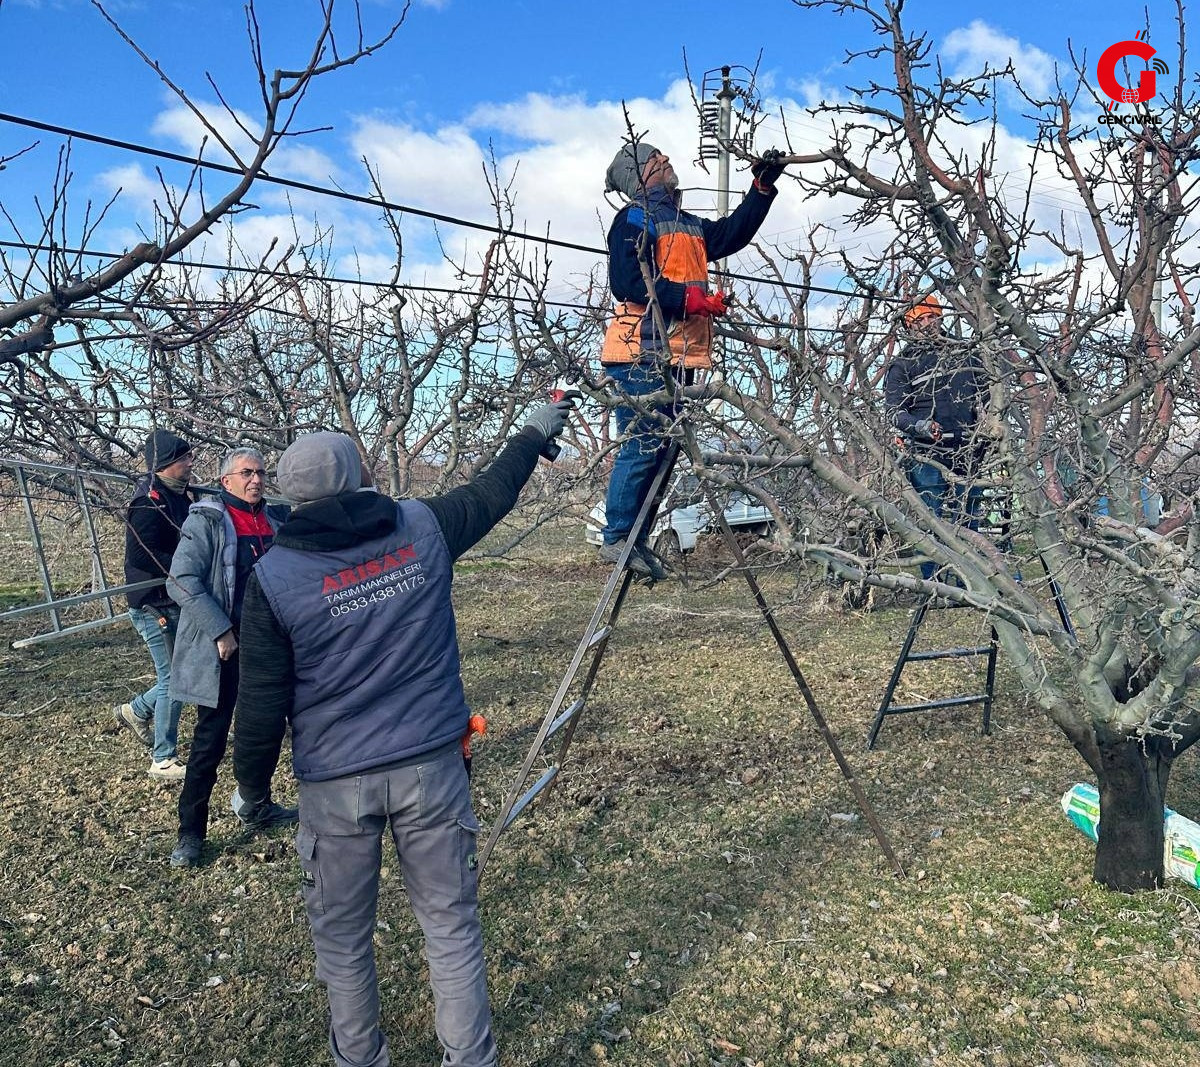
pixel 543 83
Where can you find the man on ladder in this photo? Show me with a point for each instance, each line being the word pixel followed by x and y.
pixel 935 392
pixel 658 270
pixel 658 258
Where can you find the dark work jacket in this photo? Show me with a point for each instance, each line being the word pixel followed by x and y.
pixel 941 380
pixel 374 684
pixel 676 247
pixel 152 524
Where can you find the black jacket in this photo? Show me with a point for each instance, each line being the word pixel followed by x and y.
pixel 942 380
pixel 464 515
pixel 152 526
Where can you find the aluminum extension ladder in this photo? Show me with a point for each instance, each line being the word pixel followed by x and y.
pixel 560 719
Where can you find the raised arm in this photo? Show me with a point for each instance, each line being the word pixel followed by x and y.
pixel 466 514
pixel 724 237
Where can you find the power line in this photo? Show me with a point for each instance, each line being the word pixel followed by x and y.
pixel 260 271
pixel 288 183
pixel 264 271
pixel 379 202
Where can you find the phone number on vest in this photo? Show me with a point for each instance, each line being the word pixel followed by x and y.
pixel 378 597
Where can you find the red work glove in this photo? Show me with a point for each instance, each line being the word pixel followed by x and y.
pixel 697 302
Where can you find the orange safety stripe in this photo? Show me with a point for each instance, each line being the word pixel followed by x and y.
pixel 681 257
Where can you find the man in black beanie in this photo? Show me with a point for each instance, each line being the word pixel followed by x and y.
pixel 160 504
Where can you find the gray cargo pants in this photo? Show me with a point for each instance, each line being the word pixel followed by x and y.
pixel 428 808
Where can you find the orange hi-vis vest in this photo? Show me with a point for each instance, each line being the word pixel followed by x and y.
pixel 680 255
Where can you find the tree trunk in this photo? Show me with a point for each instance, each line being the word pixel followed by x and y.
pixel 1133 782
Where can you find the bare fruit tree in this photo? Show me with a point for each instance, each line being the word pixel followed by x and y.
pixel 1048 253
pixel 91 346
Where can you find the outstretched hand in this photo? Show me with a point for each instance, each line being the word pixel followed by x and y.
pixel 551 419
pixel 767 169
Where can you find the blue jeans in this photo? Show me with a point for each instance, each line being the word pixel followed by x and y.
pixel 157 628
pixel 961 504
pixel 425 805
pixel 639 457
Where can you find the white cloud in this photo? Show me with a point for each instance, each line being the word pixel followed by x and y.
pixel 556 152
pixel 133 184
pixel 551 154
pixel 296 159
pixel 978 44
pixel 184 127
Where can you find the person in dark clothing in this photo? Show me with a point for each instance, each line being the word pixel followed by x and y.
pixel 348 633
pixel 221 541
pixel 935 393
pixel 652 237
pixel 155 516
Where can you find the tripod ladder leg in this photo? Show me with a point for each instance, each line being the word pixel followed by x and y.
pixel 802 684
pixel 595 640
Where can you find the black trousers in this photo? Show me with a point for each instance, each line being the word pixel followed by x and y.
pixel 208 749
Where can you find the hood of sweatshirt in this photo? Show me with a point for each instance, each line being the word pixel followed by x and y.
pixel 336 522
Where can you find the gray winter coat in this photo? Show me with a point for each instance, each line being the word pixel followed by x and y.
pixel 203 576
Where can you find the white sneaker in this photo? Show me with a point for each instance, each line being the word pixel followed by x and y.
pixel 171 769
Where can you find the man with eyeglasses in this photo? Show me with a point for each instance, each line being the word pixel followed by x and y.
pixel 221 541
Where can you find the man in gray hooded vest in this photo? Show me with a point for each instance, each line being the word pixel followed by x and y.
pixel 348 633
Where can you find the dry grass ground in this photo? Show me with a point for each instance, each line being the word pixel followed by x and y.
pixel 698 891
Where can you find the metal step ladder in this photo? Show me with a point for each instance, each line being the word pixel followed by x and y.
pixel 907 655
pixel 560 719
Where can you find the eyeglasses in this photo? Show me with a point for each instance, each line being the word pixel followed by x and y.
pixel 247 473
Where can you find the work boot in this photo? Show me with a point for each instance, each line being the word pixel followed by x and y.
pixel 635 563
pixel 271 814
pixel 143 729
pixel 187 851
pixel 658 569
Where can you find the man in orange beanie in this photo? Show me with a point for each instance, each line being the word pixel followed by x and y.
pixel 935 392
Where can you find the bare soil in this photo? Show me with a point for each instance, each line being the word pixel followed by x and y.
pixel 701 889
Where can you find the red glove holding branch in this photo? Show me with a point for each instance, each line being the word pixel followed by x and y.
pixel 697 302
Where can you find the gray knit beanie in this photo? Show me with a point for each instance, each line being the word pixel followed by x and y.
pixel 319 465
pixel 624 174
